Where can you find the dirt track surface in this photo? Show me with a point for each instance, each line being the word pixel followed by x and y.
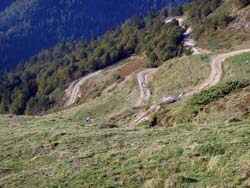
pixel 216 71
pixel 213 79
pixel 73 91
pixel 188 41
pixel 143 86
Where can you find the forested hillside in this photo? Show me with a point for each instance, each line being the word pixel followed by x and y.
pixel 27 26
pixel 40 84
pixel 210 23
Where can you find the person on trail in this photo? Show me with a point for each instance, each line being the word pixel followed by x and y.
pixel 88 120
pixel 142 84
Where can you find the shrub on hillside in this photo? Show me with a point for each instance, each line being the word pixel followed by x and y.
pixel 210 95
pixel 196 103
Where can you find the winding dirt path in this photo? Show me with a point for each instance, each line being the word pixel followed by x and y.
pixel 213 79
pixel 216 71
pixel 73 91
pixel 188 41
pixel 143 87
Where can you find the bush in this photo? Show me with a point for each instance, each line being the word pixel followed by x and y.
pixel 153 60
pixel 217 92
pixel 153 121
pixel 108 126
pixel 196 103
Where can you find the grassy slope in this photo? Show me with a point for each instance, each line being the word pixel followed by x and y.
pixel 106 98
pixel 237 67
pixel 179 75
pixel 236 104
pixel 57 152
pixel 60 150
pixel 229 38
pixel 104 107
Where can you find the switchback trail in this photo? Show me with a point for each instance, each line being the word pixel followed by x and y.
pixel 216 71
pixel 143 86
pixel 141 76
pixel 73 91
pixel 213 79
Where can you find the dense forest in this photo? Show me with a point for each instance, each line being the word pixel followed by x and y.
pixel 39 85
pixel 27 26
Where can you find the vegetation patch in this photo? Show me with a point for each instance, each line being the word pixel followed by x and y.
pixel 211 149
pixel 63 153
pixel 178 75
pixel 197 102
pixel 242 60
pixel 212 24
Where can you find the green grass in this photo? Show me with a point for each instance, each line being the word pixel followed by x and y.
pixel 179 75
pixel 60 150
pixel 108 105
pixel 106 99
pixel 226 102
pixel 243 59
pixel 221 104
pixel 57 152
pixel 228 38
pixel 237 67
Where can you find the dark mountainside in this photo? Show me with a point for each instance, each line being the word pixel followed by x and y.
pixel 27 26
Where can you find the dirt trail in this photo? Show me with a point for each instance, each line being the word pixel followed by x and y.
pixel 213 79
pixel 216 71
pixel 142 78
pixel 73 91
pixel 188 41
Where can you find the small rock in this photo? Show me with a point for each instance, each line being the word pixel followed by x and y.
pixel 233 120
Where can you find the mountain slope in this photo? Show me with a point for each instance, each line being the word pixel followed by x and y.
pixel 198 141
pixel 40 82
pixel 39 85
pixel 61 150
pixel 27 26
